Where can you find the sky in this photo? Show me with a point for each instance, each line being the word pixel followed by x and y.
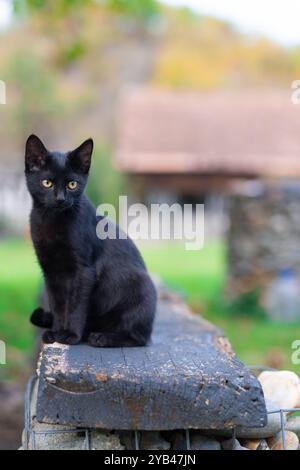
pixel 276 19
pixel 5 12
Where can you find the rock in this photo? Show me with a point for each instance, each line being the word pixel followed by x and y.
pixel 222 433
pixel 152 440
pixel 263 445
pixel 282 387
pixel 127 439
pixel 272 440
pixel 255 444
pixel 200 442
pixel 55 441
pixel 99 440
pixel 178 441
pixel 232 444
pixel 272 427
pixel 251 444
pixel 259 226
pixel 105 441
pixel 293 424
pixel 291 441
pixel 148 440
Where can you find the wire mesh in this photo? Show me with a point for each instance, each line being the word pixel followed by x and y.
pixel 30 434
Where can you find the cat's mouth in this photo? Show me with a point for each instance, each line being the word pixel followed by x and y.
pixel 61 207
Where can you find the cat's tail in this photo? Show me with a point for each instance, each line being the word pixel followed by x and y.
pixel 41 318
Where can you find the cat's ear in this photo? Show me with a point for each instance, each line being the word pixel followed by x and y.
pixel 80 158
pixel 35 154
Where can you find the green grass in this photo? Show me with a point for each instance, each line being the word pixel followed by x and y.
pixel 199 275
pixel 19 286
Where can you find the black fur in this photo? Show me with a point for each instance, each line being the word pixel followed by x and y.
pixel 99 290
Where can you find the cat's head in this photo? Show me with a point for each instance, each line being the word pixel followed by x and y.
pixel 56 180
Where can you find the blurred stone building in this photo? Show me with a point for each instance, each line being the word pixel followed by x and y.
pixel 238 152
pixel 15 201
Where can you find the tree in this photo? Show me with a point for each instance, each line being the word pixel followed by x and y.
pixel 140 9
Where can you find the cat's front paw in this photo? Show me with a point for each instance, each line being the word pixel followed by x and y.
pixel 48 337
pixel 62 336
pixel 66 337
pixel 98 340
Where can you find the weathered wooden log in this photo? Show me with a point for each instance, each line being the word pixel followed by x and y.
pixel 188 377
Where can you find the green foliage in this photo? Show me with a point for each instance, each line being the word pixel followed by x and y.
pixel 72 52
pixel 144 9
pixel 36 94
pixel 200 52
pixel 140 9
pixel 57 6
pixel 62 19
pixel 246 304
pixel 105 183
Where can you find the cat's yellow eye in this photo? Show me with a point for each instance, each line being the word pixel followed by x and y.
pixel 72 184
pixel 47 184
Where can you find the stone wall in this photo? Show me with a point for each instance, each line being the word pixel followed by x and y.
pixel 15 202
pixel 263 235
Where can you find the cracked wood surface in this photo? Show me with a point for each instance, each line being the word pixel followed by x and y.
pixel 188 377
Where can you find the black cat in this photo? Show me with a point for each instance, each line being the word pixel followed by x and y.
pixel 99 290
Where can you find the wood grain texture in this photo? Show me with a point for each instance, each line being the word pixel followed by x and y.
pixel 189 377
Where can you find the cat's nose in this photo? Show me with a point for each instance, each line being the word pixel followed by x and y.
pixel 60 198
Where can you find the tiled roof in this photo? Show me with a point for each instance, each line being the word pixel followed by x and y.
pixel 249 132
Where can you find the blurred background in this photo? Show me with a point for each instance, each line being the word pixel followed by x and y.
pixel 188 102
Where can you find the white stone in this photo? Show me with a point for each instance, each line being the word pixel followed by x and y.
pixel 282 387
pixel 255 444
pixel 291 441
pixel 293 424
pixel 101 440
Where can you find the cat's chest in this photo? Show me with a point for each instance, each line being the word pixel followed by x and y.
pixel 54 247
